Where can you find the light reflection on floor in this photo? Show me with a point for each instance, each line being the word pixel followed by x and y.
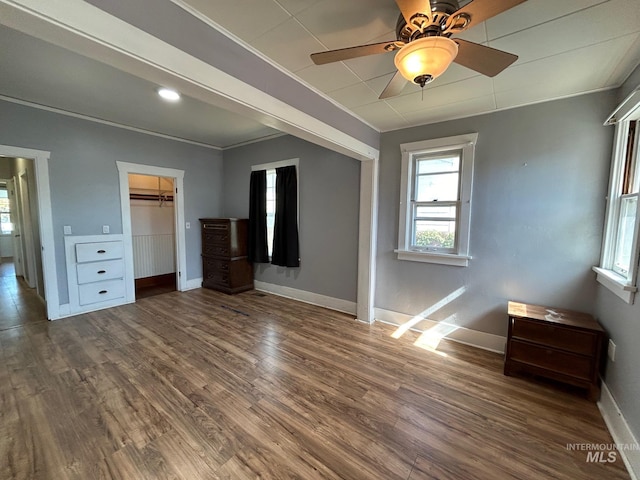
pixel 430 338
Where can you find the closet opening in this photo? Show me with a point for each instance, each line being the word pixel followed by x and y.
pixel 153 235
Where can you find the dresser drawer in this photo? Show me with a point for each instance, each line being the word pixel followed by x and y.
pixel 577 366
pixel 215 233
pixel 572 340
pixel 216 270
pixel 216 237
pixel 101 291
pixel 97 251
pixel 219 250
pixel 99 271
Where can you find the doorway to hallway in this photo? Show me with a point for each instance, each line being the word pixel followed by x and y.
pixel 19 304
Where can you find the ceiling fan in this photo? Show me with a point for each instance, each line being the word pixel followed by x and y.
pixel 423 44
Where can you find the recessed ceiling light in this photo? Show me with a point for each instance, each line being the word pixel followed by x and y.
pixel 169 94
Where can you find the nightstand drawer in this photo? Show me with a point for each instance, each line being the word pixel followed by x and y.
pixel 572 340
pixel 577 366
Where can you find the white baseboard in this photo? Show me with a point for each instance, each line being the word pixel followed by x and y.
pixel 193 284
pixel 338 304
pixel 63 311
pixel 474 338
pixel 620 431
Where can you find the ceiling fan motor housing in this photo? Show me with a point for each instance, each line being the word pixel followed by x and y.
pixel 440 21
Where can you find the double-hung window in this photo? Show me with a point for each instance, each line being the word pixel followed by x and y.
pixel 619 262
pixel 435 201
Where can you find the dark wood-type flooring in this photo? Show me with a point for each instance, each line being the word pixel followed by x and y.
pixel 201 385
pixel 158 285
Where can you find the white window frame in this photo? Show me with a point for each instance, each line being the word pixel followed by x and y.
pixel 410 151
pixel 622 285
pixel 272 166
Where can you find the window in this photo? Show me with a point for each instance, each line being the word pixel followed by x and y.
pixel 435 200
pixel 619 261
pixel 271 207
pixel 6 226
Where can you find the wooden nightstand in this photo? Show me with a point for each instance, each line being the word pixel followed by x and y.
pixel 555 343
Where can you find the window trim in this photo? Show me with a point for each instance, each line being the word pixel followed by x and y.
pixel 409 151
pixel 625 287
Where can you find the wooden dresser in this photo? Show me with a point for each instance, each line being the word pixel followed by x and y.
pixel 225 266
pixel 554 343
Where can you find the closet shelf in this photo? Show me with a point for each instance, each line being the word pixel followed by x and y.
pixel 156 197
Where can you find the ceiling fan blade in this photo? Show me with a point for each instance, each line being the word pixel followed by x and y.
pixel 394 87
pixel 481 10
pixel 485 60
pixel 321 58
pixel 410 7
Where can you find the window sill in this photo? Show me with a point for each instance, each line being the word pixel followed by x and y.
pixel 616 283
pixel 429 257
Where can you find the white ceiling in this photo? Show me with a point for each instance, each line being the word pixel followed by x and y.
pixel 36 71
pixel 566 48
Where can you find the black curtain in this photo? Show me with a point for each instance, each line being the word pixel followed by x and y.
pixel 258 252
pixel 285 233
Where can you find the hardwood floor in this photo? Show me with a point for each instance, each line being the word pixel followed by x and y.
pixel 158 285
pixel 19 304
pixel 201 385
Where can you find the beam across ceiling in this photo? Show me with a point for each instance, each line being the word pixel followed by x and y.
pixel 93 32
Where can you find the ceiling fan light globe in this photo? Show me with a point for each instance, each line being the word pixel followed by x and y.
pixel 428 56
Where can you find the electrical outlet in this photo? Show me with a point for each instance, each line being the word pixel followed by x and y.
pixel 611 351
pixel 105 229
pixel 67 229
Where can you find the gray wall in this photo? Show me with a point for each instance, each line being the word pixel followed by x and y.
pixel 5 168
pixel 85 190
pixel 540 179
pixel 622 323
pixel 329 186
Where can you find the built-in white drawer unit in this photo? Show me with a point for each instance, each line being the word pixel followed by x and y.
pixel 96 272
pixel 99 271
pixel 101 291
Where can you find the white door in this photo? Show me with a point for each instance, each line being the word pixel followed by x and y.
pixel 28 258
pixel 15 219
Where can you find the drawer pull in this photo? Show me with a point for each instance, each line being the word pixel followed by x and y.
pixel 102 292
pixel 100 272
pixel 101 251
